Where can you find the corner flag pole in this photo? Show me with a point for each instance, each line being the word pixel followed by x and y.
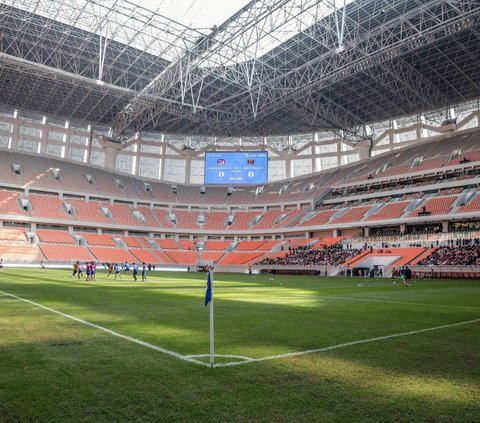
pixel 212 343
pixel 209 299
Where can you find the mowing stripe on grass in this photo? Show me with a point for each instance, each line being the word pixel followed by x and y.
pixel 111 332
pixel 346 344
pixel 376 300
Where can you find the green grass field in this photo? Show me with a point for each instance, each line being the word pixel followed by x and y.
pixel 56 369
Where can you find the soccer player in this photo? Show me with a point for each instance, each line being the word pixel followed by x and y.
pixel 80 270
pixel 110 269
pixel 117 271
pixel 75 269
pixel 89 271
pixel 144 272
pixel 94 271
pixel 135 271
pixel 408 276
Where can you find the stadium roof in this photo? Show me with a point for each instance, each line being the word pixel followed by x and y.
pixel 273 67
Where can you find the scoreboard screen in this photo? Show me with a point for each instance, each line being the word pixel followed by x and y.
pixel 236 168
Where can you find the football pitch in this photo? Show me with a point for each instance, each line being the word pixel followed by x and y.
pixel 288 349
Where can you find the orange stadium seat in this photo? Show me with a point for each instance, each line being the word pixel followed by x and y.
pixel 59 237
pixel 352 215
pixel 99 240
pixel 243 220
pixel 19 252
pixel 65 253
pixel 146 256
pixel 390 211
pixel 88 211
pixel 111 255
pixel 436 205
pixel 217 245
pixel 249 245
pixel 167 244
pixel 10 204
pixel 472 206
pixel 183 257
pixel 320 218
pixel 240 258
pixel 48 206
pixel 7 234
pixel 212 256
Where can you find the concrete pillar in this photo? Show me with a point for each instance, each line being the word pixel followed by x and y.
pixel 363 149
pixel 111 157
pixel 445 226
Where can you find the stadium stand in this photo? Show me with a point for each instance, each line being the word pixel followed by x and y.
pixel 327 256
pixel 7 234
pixel 471 206
pixel 6 168
pixel 112 255
pixel 447 255
pixel 187 244
pixel 436 205
pixel 163 258
pixel 319 218
pixel 145 256
pixel 215 220
pixel 249 245
pixel 131 242
pixel 389 211
pixel 211 256
pixel 22 252
pixel 55 237
pixel 352 215
pixel 217 245
pixel 239 258
pixel 183 257
pixel 48 206
pixel 10 204
pixel 66 253
pixel 268 219
pixel 186 219
pixel 167 244
pixel 243 220
pixel 162 218
pixel 97 240
pixel 88 211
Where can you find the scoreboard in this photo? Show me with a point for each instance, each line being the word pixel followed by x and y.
pixel 236 168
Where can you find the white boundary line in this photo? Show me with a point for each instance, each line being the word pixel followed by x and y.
pixel 247 360
pixel 346 344
pixel 111 332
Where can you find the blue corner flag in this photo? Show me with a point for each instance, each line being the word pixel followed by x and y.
pixel 208 294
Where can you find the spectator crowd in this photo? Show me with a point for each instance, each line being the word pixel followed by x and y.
pixel 456 253
pixel 327 256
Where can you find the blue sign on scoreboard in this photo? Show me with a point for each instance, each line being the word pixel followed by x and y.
pixel 236 168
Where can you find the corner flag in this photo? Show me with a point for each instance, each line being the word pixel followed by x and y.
pixel 208 293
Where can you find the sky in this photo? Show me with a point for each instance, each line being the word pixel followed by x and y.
pixel 195 13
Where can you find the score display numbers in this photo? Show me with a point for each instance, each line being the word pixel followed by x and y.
pixel 236 168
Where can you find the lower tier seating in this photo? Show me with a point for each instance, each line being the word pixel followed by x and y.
pixel 66 253
pixel 112 255
pixel 19 252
